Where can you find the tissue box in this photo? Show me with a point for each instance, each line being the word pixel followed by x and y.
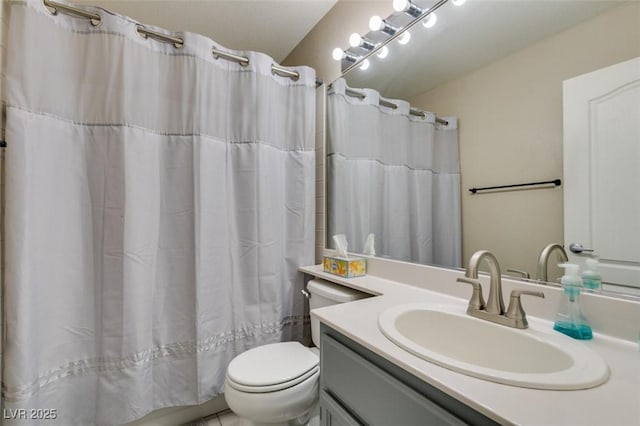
pixel 345 267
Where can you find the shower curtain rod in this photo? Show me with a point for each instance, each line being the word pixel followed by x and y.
pixel 412 111
pixel 244 61
pixel 96 19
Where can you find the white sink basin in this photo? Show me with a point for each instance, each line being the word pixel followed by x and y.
pixel 447 336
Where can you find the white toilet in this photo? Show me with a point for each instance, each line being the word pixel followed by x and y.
pixel 278 383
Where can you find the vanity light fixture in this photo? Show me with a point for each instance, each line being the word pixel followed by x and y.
pixel 365 65
pixel 339 54
pixel 383 52
pixel 430 20
pixel 411 9
pixel 356 40
pixel 404 38
pixel 362 47
pixel 376 23
pixel 407 7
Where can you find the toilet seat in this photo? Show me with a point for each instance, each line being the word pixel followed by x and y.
pixel 273 367
pixel 275 387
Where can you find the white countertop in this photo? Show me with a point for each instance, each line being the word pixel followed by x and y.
pixel 615 403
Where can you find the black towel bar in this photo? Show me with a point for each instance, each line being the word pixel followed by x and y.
pixel 555 182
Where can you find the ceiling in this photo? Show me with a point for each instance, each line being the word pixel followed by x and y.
pixel 274 27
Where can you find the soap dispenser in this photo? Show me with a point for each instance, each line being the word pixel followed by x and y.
pixel 591 278
pixel 569 319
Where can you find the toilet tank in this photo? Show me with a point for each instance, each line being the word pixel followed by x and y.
pixel 323 293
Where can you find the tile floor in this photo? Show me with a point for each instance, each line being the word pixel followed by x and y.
pixel 228 418
pixel 225 418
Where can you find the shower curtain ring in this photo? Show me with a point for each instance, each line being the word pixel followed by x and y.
pixel 164 38
pixel 53 8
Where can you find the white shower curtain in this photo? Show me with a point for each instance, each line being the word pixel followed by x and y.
pixel 395 175
pixel 159 203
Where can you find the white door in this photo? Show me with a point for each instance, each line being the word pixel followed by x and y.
pixel 602 169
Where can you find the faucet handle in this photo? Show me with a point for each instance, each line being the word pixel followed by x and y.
pixel 515 310
pixel 477 301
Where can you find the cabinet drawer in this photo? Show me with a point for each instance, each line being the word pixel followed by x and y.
pixel 332 413
pixel 373 395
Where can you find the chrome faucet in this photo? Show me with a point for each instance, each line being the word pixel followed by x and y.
pixel 494 310
pixel 495 305
pixel 543 259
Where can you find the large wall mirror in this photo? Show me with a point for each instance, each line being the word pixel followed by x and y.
pixel 475 101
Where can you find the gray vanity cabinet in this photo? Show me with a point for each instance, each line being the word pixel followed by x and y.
pixel 360 387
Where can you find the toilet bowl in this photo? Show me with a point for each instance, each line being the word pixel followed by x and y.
pixel 278 383
pixel 281 386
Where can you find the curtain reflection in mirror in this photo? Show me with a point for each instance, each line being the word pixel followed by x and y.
pixel 393 174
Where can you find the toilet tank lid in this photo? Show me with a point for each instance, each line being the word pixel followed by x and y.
pixel 335 292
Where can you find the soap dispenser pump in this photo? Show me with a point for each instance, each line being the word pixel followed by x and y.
pixel 570 320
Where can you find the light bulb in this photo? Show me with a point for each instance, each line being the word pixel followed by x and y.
pixel 407 7
pixel 383 52
pixel 400 5
pixel 365 65
pixel 337 54
pixel 355 40
pixel 376 23
pixel 458 2
pixel 404 38
pixel 430 20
